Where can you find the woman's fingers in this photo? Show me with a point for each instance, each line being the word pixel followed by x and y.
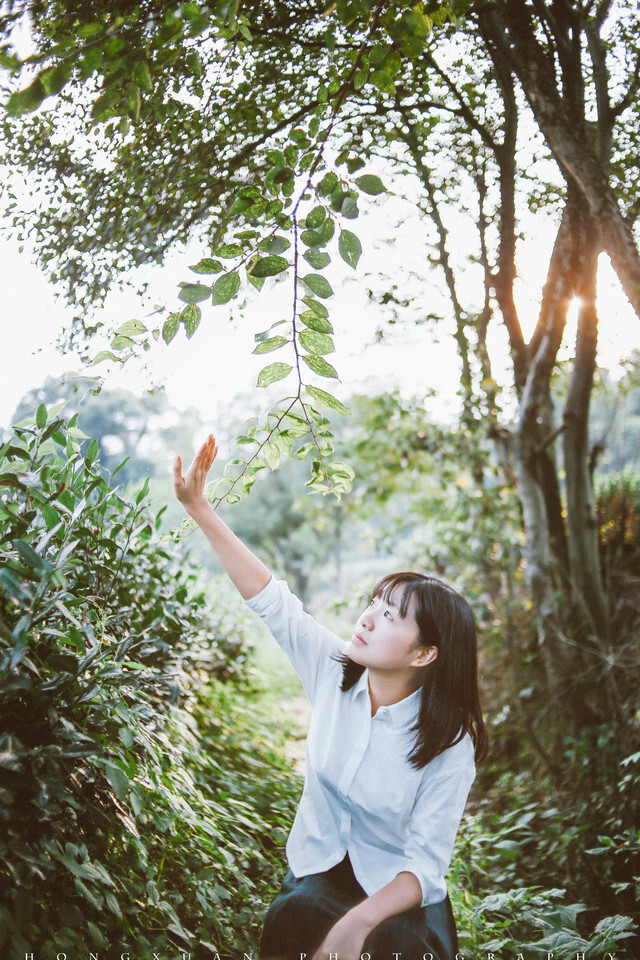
pixel 192 484
pixel 178 479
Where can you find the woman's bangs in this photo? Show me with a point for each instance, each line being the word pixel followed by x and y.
pixel 384 588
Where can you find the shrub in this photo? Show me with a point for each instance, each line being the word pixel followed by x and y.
pixel 138 800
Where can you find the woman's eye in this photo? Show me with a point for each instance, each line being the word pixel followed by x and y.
pixel 388 614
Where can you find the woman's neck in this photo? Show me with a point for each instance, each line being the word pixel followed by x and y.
pixel 386 688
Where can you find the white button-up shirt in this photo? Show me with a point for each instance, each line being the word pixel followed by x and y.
pixel 361 795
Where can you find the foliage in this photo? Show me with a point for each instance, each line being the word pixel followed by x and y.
pixel 133 432
pixel 287 539
pixel 513 879
pixel 142 800
pixel 563 818
pixel 144 58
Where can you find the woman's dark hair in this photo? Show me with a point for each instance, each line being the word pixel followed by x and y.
pixel 450 702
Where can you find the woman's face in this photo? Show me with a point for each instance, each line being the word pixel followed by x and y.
pixel 383 640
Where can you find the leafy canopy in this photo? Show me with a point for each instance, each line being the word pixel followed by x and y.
pixel 206 117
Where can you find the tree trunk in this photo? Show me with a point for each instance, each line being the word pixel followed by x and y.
pixel 586 580
pixel 567 134
pixel 529 446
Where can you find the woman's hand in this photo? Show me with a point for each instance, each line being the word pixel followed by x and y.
pixel 346 939
pixel 190 489
pixel 248 573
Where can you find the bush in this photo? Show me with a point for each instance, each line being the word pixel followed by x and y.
pixel 138 802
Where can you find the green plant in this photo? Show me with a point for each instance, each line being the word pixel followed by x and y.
pixel 140 798
pixel 521 915
pixel 497 910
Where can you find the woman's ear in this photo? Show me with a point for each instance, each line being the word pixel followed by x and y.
pixel 424 656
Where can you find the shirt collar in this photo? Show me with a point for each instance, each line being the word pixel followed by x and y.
pixel 401 713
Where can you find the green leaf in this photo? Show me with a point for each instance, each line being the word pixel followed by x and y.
pixel 276 158
pixel 90 29
pixel 417 24
pixel 360 79
pixel 318 259
pixel 320 366
pixel 143 491
pixel 54 79
pixel 316 342
pixel 382 80
pixel 327 185
pixel 92 452
pixel 134 100
pixel 318 285
pixel 312 320
pixel 170 327
pixel 371 184
pixel 31 558
pixel 275 371
pixel 257 282
pixel 271 454
pixel 298 426
pixel 321 236
pixel 41 417
pixel 349 208
pixel 104 103
pixel 121 343
pixel 315 217
pixel 304 450
pixel 225 288
pixel 207 265
pixel 131 328
pixel 194 292
pixel 10 62
pixel 324 399
pixel 354 163
pixel 26 100
pixel 104 355
pixel 229 250
pixel 273 343
pixel 275 245
pixel 337 468
pixel 317 307
pixel 190 317
pixel 142 76
pixel 350 248
pixel 239 205
pixel 118 779
pixel 269 266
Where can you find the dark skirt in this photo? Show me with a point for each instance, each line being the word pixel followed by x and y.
pixel 300 918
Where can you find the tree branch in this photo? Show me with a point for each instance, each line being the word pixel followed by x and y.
pixel 465 111
pixel 597 52
pixel 495 39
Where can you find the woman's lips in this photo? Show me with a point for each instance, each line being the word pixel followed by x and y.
pixel 359 642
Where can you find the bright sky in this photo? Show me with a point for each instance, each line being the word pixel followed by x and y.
pixel 217 364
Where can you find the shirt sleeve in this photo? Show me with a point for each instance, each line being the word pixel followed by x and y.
pixel 434 823
pixel 310 648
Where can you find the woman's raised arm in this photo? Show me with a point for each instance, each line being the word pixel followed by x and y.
pixel 247 573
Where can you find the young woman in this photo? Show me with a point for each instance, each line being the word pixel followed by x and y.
pixel 396 726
